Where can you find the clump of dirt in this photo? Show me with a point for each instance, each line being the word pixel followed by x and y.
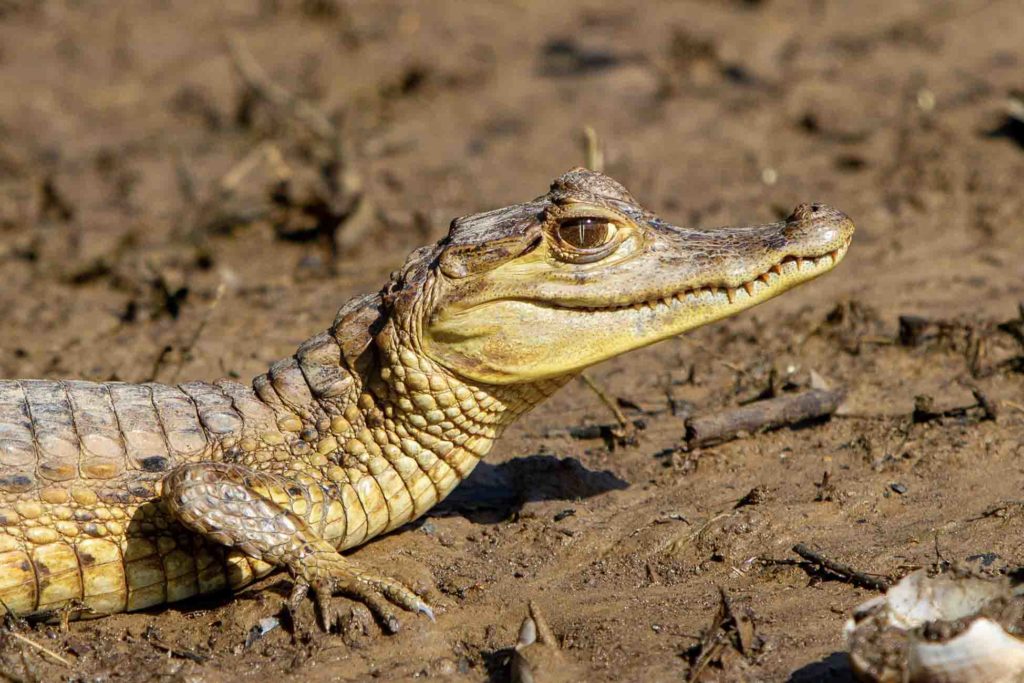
pixel 189 189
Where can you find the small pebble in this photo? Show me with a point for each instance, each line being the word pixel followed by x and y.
pixel 445 667
pixel 265 626
pixel 898 488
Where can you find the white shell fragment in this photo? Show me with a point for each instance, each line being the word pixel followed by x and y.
pixel 950 627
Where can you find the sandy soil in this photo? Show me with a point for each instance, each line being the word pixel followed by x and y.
pixel 117 120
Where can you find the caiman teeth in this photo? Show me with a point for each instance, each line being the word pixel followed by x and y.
pixel 750 287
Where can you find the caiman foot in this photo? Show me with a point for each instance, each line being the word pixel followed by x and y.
pixel 237 507
pixel 339 576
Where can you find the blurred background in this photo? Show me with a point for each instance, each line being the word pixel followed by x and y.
pixel 139 148
pixel 189 188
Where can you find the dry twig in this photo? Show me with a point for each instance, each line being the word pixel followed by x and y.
pixel 730 629
pixel 841 571
pixel 592 151
pixel 261 84
pixel 776 412
pixel 626 432
pixel 45 650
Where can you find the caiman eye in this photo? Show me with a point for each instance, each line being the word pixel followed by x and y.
pixel 586 233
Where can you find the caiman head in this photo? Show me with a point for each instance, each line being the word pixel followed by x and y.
pixel 544 289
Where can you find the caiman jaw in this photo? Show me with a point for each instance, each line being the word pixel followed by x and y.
pixel 786 273
pixel 565 298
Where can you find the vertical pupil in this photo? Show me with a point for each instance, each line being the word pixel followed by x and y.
pixel 584 233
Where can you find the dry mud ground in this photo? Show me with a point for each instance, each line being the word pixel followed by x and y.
pixel 117 121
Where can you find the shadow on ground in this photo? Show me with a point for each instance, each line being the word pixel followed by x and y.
pixel 494 492
pixel 832 669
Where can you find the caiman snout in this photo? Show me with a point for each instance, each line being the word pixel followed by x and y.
pixel 818 224
pixel 816 228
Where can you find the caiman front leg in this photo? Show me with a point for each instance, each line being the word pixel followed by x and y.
pixel 254 512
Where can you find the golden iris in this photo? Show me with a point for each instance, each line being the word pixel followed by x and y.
pixel 586 233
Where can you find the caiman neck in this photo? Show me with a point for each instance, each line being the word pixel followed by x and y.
pixel 364 388
pixel 440 410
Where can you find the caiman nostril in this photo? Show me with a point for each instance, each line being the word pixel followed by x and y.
pixel 814 211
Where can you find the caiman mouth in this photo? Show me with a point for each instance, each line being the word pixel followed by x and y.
pixel 789 267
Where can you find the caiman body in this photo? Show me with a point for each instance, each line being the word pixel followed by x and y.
pixel 117 497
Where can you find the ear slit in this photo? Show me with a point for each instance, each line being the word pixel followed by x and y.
pixel 532 245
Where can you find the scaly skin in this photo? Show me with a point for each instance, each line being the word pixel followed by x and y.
pixel 117 497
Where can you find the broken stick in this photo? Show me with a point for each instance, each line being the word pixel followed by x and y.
pixel 844 572
pixel 760 415
pixel 258 80
pixel 625 434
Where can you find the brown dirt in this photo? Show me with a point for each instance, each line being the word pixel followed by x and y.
pixel 713 113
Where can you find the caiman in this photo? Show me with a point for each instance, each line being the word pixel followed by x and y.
pixel 116 497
